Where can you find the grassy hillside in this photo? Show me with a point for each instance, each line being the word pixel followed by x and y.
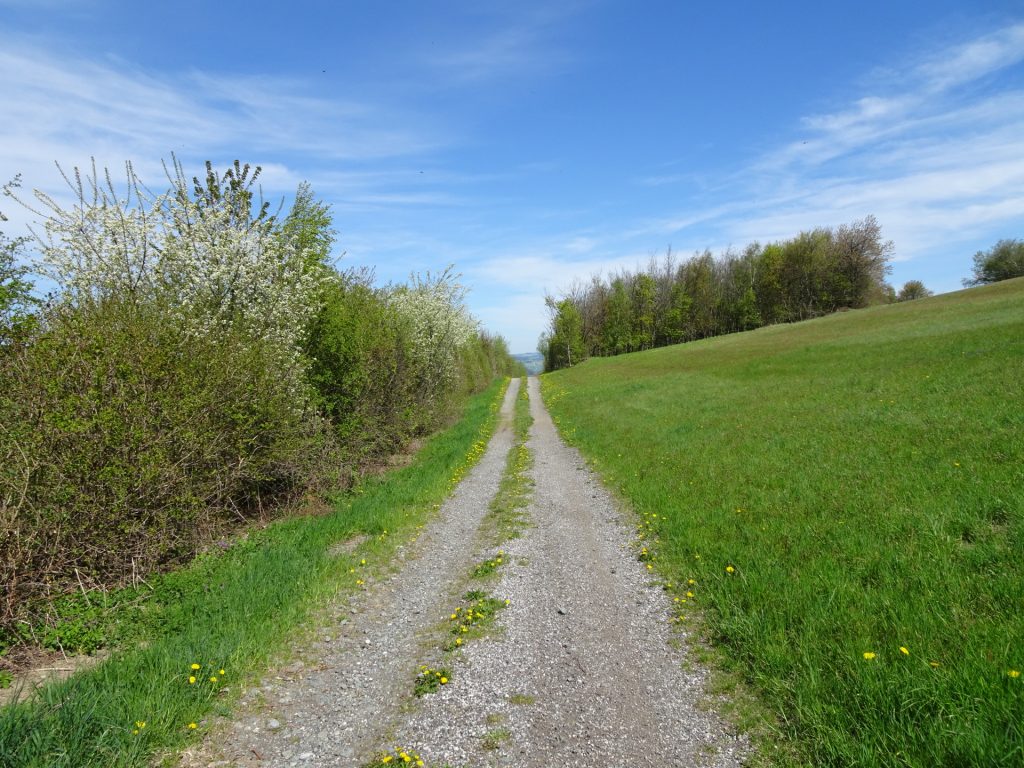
pixel 848 495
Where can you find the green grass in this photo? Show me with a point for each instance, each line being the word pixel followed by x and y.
pixel 506 515
pixel 233 610
pixel 863 474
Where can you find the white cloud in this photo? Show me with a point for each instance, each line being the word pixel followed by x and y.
pixel 974 59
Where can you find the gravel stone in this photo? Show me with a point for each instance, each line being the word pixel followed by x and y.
pixel 585 647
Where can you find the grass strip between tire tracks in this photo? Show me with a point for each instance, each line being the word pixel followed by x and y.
pixel 233 611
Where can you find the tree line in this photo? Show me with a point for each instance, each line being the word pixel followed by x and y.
pixel 201 363
pixel 673 301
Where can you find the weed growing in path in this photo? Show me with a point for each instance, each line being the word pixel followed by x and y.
pixel 430 680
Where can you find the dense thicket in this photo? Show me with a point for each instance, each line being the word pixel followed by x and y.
pixel 201 363
pixel 674 301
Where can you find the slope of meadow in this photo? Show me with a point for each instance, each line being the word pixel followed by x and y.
pixel 847 495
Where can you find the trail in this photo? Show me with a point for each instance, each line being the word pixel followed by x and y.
pixel 583 670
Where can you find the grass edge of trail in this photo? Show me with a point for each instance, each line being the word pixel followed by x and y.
pixel 222 618
pixel 867 587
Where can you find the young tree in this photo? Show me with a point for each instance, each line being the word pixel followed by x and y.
pixel 913 289
pixel 564 345
pixel 1002 261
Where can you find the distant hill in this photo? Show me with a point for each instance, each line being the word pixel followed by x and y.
pixel 534 362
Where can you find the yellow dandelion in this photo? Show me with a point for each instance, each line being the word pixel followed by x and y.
pixel 869 655
pixel 933 664
pixel 729 569
pixel 386 759
pixel 458 641
pixel 191 679
pixel 195 666
pixel 1014 673
pixel 213 679
pixel 904 650
pixel 220 672
pixel 444 681
pixel 192 726
pixel 140 724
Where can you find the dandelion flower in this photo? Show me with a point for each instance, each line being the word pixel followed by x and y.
pixel 191 679
pixel 220 672
pixel 933 664
pixel 213 679
pixel 195 666
pixel 729 569
pixel 869 655
pixel 444 681
pixel 1014 673
pixel 386 759
pixel 192 726
pixel 904 650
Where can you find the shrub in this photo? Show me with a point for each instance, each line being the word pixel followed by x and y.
pixel 913 289
pixel 1002 261
pixel 163 393
pixel 130 443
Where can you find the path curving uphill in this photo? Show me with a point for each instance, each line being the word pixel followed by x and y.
pixel 581 670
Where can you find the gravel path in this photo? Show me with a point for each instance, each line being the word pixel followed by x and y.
pixel 583 669
pixel 584 673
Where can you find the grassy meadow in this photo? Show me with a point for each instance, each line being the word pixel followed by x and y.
pixel 189 638
pixel 847 494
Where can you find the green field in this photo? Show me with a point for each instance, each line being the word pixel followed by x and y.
pixel 862 478
pixel 229 614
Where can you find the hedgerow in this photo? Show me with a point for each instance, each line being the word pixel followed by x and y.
pixel 200 365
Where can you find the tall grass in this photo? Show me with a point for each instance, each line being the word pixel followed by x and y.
pixel 232 611
pixel 848 495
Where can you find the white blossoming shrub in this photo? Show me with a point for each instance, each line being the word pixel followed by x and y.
pixel 164 394
pixel 209 260
pixel 438 326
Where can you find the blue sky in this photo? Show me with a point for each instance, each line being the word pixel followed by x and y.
pixel 534 143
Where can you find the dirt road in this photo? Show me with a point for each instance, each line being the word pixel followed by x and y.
pixel 582 668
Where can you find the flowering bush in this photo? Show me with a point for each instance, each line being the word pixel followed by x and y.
pixel 438 326
pixel 164 391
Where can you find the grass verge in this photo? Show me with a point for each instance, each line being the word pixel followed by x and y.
pixel 847 495
pixel 232 611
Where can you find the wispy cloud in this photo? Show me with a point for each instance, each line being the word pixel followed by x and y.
pixel 55 107
pixel 933 155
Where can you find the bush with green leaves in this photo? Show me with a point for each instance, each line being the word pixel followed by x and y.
pixel 1003 261
pixel 163 393
pixel 913 289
